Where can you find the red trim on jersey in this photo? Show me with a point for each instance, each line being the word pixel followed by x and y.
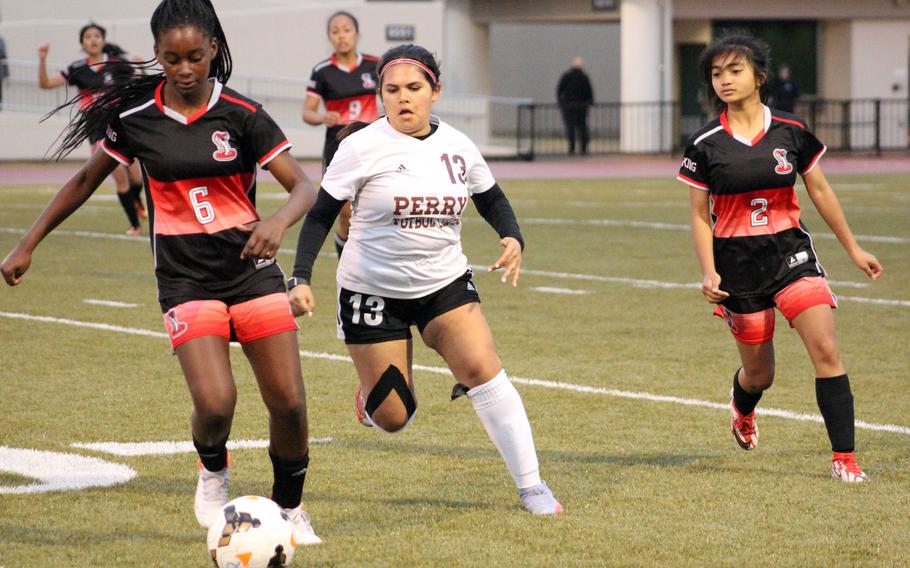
pixel 762 212
pixel 692 182
pixel 244 104
pixel 814 161
pixel 115 154
pixel 726 125
pixel 159 101
pixel 225 201
pixel 274 152
pixel 369 57
pixel 787 120
pixel 758 137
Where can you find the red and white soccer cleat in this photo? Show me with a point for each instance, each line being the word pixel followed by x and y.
pixel 845 468
pixel 359 409
pixel 744 428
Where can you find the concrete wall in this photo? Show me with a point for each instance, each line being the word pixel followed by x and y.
pixel 879 59
pixel 835 59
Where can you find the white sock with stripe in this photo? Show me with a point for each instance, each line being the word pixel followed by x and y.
pixel 499 407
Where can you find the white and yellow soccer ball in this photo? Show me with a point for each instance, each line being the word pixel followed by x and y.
pixel 252 532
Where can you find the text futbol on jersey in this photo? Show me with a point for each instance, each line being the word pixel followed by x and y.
pixel 201 176
pixel 760 242
pixel 408 198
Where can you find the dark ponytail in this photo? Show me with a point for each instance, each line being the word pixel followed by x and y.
pixel 111 100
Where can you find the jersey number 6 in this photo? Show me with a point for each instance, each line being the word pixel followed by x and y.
pixel 205 213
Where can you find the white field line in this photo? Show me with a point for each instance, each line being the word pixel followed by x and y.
pixel 109 303
pixel 634 395
pixel 167 448
pixel 878 301
pixel 680 227
pixel 565 291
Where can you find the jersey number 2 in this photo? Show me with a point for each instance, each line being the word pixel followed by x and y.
pixel 205 213
pixel 759 219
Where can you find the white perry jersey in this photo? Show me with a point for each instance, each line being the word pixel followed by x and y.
pixel 408 198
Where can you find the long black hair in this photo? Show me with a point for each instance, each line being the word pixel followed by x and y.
pixel 111 100
pixel 754 50
pixel 415 52
pixel 350 16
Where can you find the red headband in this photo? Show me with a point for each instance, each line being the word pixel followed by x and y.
pixel 412 62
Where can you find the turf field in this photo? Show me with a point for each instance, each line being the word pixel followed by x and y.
pixel 622 370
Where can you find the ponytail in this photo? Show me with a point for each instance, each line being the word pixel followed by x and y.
pixel 111 100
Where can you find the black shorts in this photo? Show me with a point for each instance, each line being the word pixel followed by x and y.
pixel 373 319
pixel 249 289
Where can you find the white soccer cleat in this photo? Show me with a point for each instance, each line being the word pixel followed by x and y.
pixel 211 494
pixel 539 500
pixel 845 468
pixel 304 534
pixel 359 409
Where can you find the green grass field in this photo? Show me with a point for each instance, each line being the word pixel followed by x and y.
pixel 643 481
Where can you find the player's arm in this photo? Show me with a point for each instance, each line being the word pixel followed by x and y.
pixel 830 209
pixel 703 242
pixel 315 228
pixel 45 81
pixel 70 197
pixel 494 207
pixel 311 114
pixel 267 236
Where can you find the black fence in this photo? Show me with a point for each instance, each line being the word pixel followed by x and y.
pixel 868 125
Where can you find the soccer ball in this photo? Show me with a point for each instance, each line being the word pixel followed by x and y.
pixel 251 532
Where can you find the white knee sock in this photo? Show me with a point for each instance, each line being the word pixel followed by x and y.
pixel 499 407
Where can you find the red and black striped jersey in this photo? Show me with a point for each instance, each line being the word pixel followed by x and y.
pixel 200 174
pixel 760 243
pixel 90 79
pixel 351 92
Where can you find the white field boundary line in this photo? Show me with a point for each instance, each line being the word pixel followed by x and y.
pixel 109 303
pixel 681 227
pixel 636 283
pixel 634 395
pixel 129 449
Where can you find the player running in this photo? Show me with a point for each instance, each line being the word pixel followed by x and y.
pixel 199 143
pixel 346 85
pixel 91 75
pixel 754 251
pixel 410 177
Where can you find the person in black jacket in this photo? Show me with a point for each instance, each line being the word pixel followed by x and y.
pixel 784 91
pixel 575 97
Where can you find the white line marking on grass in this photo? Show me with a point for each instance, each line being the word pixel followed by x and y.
pixel 56 471
pixel 109 303
pixel 879 301
pixel 83 234
pixel 566 291
pixel 682 227
pixel 167 448
pixel 520 380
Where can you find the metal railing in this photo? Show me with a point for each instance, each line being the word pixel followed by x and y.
pixel 513 127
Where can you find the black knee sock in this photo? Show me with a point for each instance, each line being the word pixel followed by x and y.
pixel 129 206
pixel 214 458
pixel 835 401
pixel 339 244
pixel 745 402
pixel 136 190
pixel 289 478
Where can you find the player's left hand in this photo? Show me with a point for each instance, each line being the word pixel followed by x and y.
pixel 265 239
pixel 868 264
pixel 510 260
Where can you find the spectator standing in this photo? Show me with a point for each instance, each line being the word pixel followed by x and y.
pixel 784 91
pixel 575 97
pixel 4 68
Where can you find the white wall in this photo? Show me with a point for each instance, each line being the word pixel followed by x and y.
pixel 879 59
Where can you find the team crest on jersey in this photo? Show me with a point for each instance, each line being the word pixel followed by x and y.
pixel 368 82
pixel 225 152
pixel 783 167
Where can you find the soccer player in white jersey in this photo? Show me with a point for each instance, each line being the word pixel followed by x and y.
pixel 410 177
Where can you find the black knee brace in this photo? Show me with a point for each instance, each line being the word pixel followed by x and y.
pixel 391 379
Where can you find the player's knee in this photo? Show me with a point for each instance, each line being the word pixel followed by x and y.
pixel 758 379
pixel 825 351
pixel 391 404
pixel 215 418
pixel 287 404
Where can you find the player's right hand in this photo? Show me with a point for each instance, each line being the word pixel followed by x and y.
pixel 331 118
pixel 710 287
pixel 15 265
pixel 43 49
pixel 301 299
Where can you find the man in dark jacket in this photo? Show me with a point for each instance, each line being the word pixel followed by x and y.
pixel 575 97
pixel 783 90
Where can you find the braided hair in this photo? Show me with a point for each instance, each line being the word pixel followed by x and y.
pixel 111 100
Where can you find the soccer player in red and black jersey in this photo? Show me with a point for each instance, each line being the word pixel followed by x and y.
pixel 89 76
pixel 199 144
pixel 754 251
pixel 346 85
